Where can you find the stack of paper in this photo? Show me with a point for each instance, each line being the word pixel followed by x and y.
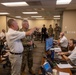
pixel 57 49
pixel 63 73
pixel 64 65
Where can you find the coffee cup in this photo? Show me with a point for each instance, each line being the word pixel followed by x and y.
pixel 54 72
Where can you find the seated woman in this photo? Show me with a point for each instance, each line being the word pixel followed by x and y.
pixel 71 57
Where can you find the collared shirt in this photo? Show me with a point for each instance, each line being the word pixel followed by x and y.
pixel 63 42
pixel 13 40
pixel 72 56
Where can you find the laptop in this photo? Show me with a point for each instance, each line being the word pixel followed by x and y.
pixel 58 61
pixel 47 67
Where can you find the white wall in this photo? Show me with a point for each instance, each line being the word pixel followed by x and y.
pixel 69 24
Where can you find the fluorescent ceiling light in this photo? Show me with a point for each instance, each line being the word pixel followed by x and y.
pixel 3 13
pixel 36 16
pixel 39 18
pixel 60 2
pixel 18 16
pixel 30 12
pixel 12 4
pixel 25 18
pixel 57 16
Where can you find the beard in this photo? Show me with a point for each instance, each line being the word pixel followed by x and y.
pixel 71 48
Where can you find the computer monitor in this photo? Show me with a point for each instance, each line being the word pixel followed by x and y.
pixel 48 43
pixel 49 47
pixel 47 67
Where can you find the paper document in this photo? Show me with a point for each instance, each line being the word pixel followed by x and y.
pixel 57 49
pixel 63 73
pixel 64 65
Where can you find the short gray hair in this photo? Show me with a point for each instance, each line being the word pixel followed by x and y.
pixel 9 22
pixel 24 21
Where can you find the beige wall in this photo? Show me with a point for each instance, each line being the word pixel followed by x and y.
pixel 19 22
pixel 39 23
pixel 2 22
pixel 32 23
pixel 69 24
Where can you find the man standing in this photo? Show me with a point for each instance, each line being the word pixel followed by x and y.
pixel 57 30
pixel 13 37
pixel 43 32
pixel 50 31
pixel 28 47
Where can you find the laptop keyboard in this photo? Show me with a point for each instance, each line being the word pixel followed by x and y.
pixel 61 61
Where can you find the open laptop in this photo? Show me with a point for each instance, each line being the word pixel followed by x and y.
pixel 47 67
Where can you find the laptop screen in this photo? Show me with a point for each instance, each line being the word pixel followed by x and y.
pixel 48 43
pixel 47 67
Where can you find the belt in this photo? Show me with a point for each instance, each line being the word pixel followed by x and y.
pixel 15 53
pixel 26 45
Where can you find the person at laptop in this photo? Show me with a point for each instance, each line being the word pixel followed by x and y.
pixel 63 42
pixel 71 47
pixel 71 57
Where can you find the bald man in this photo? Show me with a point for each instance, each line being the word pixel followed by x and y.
pixel 63 42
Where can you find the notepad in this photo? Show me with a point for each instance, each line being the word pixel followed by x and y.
pixel 63 73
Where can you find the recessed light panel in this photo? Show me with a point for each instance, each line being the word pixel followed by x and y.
pixel 30 12
pixel 3 13
pixel 12 4
pixel 57 16
pixel 18 16
pixel 61 2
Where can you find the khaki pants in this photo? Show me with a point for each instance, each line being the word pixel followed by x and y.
pixel 16 61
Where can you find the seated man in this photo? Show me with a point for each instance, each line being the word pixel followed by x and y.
pixel 63 42
pixel 71 57
pixel 71 47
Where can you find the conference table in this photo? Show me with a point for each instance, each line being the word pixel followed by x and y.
pixel 67 70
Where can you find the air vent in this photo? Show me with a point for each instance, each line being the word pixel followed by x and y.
pixel 60 9
pixel 34 3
